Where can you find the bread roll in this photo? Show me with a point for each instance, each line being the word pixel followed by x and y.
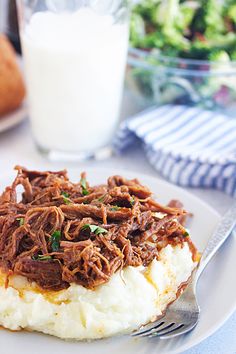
pixel 12 88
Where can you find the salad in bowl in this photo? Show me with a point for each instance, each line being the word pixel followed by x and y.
pixel 184 51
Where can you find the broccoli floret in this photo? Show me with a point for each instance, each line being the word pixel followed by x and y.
pixel 154 40
pixel 214 18
pixel 233 55
pixel 177 40
pixel 231 13
pixel 219 55
pixel 168 14
pixel 225 42
pixel 188 10
pixel 209 18
pixel 200 49
pixel 146 8
pixel 198 29
pixel 137 30
pixel 173 42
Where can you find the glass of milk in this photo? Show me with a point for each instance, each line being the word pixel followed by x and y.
pixel 75 56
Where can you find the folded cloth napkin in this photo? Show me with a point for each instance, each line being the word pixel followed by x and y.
pixel 187 145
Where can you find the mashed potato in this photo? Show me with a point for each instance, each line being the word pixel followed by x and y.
pixel 132 297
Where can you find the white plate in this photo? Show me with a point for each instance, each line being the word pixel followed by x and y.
pixel 14 118
pixel 216 290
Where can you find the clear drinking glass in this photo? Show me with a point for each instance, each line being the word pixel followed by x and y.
pixel 75 56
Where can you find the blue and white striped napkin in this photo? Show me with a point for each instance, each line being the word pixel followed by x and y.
pixel 187 145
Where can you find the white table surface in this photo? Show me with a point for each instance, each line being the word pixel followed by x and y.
pixel 17 147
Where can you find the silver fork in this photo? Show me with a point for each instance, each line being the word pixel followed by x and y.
pixel 183 314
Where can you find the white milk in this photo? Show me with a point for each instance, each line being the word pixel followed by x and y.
pixel 74 67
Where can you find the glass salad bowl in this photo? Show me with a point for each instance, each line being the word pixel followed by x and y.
pixel 157 79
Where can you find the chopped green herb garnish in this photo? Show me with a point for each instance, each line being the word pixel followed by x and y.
pixel 41 257
pixel 65 197
pixel 65 194
pixel 21 221
pixel 132 201
pixel 66 201
pixel 55 240
pixel 115 208
pixel 100 199
pixel 186 234
pixel 95 229
pixel 83 184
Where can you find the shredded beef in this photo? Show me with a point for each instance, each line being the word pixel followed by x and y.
pixel 58 232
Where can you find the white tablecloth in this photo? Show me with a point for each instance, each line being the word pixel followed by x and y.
pixel 17 147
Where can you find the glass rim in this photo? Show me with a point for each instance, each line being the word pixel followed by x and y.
pixel 177 60
pixel 84 3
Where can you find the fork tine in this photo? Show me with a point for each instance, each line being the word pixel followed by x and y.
pixel 148 328
pixel 148 333
pixel 168 329
pixel 153 332
pixel 182 330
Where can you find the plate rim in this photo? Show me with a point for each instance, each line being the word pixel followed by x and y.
pixel 110 171
pixel 13 118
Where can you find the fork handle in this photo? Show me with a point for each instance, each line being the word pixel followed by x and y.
pixel 222 232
